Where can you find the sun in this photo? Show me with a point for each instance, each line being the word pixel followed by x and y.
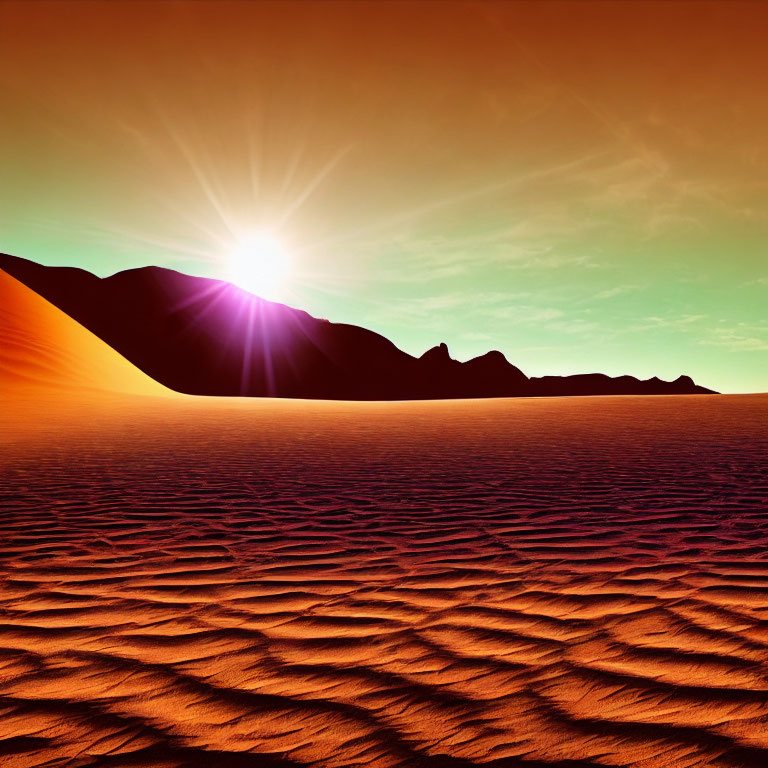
pixel 259 264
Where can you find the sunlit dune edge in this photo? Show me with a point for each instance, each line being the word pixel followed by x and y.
pixel 223 582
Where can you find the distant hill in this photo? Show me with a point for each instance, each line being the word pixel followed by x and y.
pixel 209 337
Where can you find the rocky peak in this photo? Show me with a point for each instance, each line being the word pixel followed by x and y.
pixel 438 354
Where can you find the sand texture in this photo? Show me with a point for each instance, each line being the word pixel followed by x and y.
pixel 546 582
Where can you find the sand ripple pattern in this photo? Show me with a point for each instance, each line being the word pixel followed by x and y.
pixel 565 583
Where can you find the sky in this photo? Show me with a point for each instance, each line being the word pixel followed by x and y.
pixel 581 185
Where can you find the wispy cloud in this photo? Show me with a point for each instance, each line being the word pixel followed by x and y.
pixel 742 338
pixel 682 321
pixel 474 336
pixel 492 309
pixel 575 326
pixel 616 290
pixel 523 314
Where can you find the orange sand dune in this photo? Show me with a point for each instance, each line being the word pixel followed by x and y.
pixel 44 348
pixel 551 582
pixel 50 365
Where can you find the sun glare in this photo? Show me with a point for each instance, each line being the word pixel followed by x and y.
pixel 259 264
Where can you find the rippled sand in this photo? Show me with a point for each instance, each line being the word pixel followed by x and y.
pixel 562 582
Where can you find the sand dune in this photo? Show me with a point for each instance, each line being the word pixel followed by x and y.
pixel 54 372
pixel 44 348
pixel 548 582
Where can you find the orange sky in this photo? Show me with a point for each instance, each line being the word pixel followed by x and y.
pixel 478 173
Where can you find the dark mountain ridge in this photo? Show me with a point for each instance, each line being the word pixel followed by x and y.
pixel 209 337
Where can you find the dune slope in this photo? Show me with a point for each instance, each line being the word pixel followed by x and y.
pixel 43 348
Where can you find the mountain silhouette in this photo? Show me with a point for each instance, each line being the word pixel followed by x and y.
pixel 208 337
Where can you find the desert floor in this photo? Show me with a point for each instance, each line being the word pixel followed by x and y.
pixel 560 582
